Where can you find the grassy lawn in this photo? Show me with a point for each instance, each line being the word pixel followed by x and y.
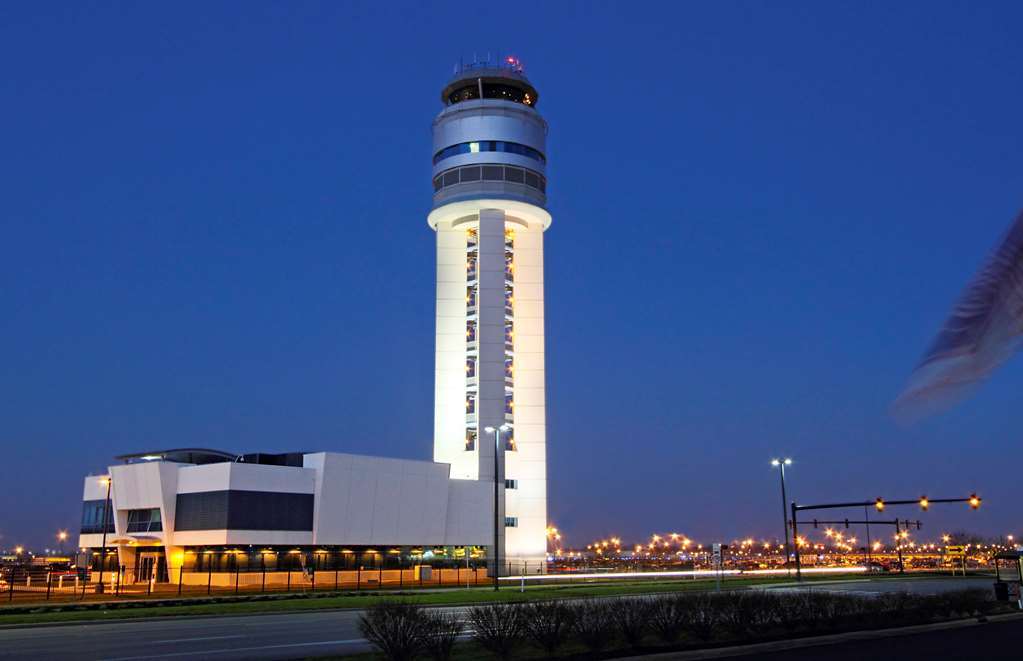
pixel 451 597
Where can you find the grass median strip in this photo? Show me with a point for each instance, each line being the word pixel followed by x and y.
pixel 295 603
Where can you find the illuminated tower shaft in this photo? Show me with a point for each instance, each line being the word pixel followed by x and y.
pixel 489 166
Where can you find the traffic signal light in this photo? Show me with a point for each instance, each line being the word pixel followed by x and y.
pixel 974 501
pixel 924 503
pixel 879 504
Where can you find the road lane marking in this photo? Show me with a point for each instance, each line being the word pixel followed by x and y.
pixel 238 649
pixel 190 640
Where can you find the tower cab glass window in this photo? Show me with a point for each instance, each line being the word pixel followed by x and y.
pixel 491 91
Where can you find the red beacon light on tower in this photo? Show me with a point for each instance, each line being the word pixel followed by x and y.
pixel 513 63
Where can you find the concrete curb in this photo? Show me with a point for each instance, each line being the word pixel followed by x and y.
pixel 820 641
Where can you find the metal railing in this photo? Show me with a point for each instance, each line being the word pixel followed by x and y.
pixel 25 583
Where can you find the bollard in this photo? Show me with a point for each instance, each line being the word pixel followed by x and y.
pixel 181 576
pixel 49 579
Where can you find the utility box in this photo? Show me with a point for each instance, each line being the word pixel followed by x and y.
pixel 1010 588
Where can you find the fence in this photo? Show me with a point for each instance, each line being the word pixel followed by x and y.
pixel 23 583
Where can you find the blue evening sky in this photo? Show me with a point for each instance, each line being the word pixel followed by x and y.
pixel 213 233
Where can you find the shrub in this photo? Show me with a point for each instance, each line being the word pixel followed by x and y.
pixel 667 617
pixel 593 624
pixel 548 624
pixel 902 607
pixel 701 615
pixel 792 611
pixel 745 613
pixel 631 617
pixel 394 628
pixel 440 633
pixel 967 602
pixel 498 628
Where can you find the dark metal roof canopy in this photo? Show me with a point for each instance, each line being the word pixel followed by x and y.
pixel 208 456
pixel 181 455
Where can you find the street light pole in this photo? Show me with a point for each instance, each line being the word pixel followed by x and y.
pixel 497 493
pixel 782 463
pixel 103 550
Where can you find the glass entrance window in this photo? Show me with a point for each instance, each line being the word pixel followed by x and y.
pixel 147 520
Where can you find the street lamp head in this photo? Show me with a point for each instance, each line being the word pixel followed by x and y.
pixel 505 427
pixel 775 462
pixel 788 462
pixel 489 430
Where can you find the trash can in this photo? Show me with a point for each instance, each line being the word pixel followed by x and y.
pixel 1001 591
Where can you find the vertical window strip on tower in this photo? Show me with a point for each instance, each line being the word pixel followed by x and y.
pixel 509 335
pixel 471 347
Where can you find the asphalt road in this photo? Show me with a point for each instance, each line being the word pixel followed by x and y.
pixel 991 641
pixel 281 636
pixel 276 636
pixel 878 586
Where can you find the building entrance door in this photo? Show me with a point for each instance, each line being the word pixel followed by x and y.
pixel 144 568
pixel 151 565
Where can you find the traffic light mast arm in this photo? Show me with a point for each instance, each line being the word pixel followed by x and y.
pixel 872 503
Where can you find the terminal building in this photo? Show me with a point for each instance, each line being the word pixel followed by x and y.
pixel 208 510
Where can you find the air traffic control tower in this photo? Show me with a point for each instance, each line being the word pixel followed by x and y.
pixel 489 213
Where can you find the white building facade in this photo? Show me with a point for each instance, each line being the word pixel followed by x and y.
pixel 208 510
pixel 489 178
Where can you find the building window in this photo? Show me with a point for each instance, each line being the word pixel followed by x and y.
pixel 244 510
pixel 93 517
pixel 489 145
pixel 511 484
pixel 474 173
pixel 499 91
pixel 147 520
pixel 511 522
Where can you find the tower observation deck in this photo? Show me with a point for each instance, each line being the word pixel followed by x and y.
pixel 489 213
